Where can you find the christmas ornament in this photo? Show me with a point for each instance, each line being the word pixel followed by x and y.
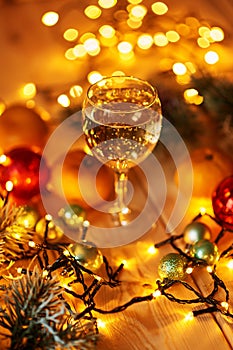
pixel 222 201
pixel 205 250
pixel 94 175
pixel 28 218
pixel 22 127
pixel 172 266
pixel 27 170
pixel 87 254
pixel 54 233
pixel 210 166
pixel 73 216
pixel 196 231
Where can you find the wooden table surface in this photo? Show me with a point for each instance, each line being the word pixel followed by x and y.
pixel 160 323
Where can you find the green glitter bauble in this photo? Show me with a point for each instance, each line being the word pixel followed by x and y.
pixel 205 250
pixel 172 266
pixel 86 254
pixel 195 232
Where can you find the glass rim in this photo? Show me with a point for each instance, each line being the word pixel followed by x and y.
pixel 153 89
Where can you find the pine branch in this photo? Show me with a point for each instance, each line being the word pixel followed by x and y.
pixel 35 317
pixel 12 235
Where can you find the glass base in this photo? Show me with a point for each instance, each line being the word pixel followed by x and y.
pixel 123 217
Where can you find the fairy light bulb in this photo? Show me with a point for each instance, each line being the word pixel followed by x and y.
pixel 160 39
pixel 107 4
pixel 189 270
pixel 107 31
pixel 29 90
pixel 179 68
pixel 3 158
pixel 189 316
pixel 50 18
pixel 9 186
pixel 66 252
pixel 100 323
pixel 152 250
pixel 92 46
pixel 76 91
pixel 202 210
pixel 70 34
pixel 216 34
pixel 225 305
pixel 172 36
pixel 63 100
pixel 94 76
pixel 134 23
pixel 159 8
pixel 125 263
pixel 79 51
pixel 145 41
pixel 124 47
pixel 31 244
pixel 204 31
pixel 189 93
pixel 138 11
pixel 192 96
pixel 70 54
pixel 203 43
pixel 211 57
pixel 156 293
pixel 230 264
pixel 92 12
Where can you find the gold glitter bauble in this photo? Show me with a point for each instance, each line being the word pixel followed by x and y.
pixel 86 254
pixel 172 266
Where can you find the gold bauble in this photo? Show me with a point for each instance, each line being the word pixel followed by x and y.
pixel 210 166
pixel 86 254
pixel 22 126
pixel 55 233
pixel 28 218
pixel 103 179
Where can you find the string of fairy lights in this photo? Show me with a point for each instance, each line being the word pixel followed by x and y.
pixel 82 270
pixel 125 31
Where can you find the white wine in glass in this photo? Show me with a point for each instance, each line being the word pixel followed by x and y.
pixel 122 123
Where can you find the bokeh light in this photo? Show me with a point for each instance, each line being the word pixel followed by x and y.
pixel 50 18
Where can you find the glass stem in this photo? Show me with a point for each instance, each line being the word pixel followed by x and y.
pixel 121 179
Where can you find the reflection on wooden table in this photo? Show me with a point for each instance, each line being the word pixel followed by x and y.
pixel 160 323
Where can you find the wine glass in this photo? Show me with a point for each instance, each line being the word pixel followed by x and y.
pixel 122 124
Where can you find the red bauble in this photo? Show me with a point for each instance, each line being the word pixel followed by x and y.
pixel 222 201
pixel 27 170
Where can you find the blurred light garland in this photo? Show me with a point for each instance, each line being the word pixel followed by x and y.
pixel 118 33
